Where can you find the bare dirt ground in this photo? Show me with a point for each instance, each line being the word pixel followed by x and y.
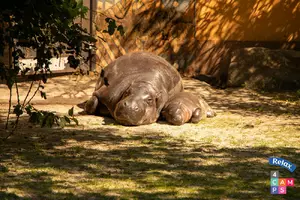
pixel 225 157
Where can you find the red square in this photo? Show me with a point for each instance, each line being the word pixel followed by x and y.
pixel 281 190
pixel 290 182
pixel 282 182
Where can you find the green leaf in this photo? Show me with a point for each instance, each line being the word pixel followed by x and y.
pixel 28 109
pixel 34 118
pixel 73 62
pixel 298 93
pixel 43 95
pixel 71 112
pixel 48 120
pixel 121 30
pixel 75 120
pixel 18 110
pixel 111 30
pixel 62 122
pixel 20 53
pixel 67 119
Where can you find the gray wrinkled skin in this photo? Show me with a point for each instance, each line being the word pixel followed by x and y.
pixel 186 107
pixel 134 88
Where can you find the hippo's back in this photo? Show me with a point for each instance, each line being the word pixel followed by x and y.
pixel 144 64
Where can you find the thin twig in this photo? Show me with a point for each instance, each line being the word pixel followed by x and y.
pixel 10 134
pixel 28 91
pixel 37 89
pixel 17 90
pixel 18 116
pixel 9 108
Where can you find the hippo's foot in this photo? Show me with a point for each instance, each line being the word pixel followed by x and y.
pixel 196 116
pixel 211 113
pixel 91 105
pixel 177 120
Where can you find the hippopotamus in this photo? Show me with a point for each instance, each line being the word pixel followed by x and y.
pixel 134 88
pixel 186 107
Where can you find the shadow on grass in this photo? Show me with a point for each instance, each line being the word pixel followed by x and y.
pixel 247 102
pixel 109 163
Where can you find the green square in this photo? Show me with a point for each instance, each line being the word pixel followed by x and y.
pixel 274 181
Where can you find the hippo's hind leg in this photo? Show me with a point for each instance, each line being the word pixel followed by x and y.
pixel 91 105
pixel 196 116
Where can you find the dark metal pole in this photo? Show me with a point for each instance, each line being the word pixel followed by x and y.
pixel 91 32
pixel 195 19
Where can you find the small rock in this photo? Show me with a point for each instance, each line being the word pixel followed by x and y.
pixel 249 126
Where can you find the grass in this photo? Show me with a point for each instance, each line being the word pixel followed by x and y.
pixel 225 157
pixel 114 163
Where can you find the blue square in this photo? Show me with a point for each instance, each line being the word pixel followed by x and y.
pixel 274 190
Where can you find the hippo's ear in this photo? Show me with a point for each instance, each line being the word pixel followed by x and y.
pixel 102 73
pixel 161 99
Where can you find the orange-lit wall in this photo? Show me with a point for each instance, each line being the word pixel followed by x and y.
pixel 248 20
pixel 197 34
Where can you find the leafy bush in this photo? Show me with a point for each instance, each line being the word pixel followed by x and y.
pixel 48 27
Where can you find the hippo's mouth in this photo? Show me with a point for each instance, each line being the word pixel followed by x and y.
pixel 130 118
pixel 129 122
pixel 127 116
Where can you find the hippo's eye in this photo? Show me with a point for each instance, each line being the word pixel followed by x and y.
pixel 149 100
pixel 126 93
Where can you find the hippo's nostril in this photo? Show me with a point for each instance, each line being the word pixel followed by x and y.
pixel 136 108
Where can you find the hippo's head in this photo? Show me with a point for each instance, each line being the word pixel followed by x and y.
pixel 139 104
